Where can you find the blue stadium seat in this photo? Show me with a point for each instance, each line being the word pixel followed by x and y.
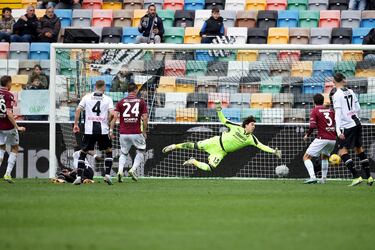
pixel 257 113
pixel 194 4
pixel 359 34
pixel 232 114
pixel 65 17
pixel 39 51
pixel 288 18
pixel 203 55
pixel 368 19
pixel 129 34
pixel 313 85
pixel 106 78
pixel 323 69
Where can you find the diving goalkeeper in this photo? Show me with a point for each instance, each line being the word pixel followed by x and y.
pixel 219 146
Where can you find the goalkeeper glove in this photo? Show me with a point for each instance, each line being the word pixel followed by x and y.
pixel 218 105
pixel 278 153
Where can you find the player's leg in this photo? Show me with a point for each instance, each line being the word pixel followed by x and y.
pixel 106 145
pixel 184 145
pixel 88 144
pixel 2 153
pixel 125 145
pixel 312 151
pixel 363 159
pixel 325 153
pixel 13 141
pixel 140 143
pixel 89 175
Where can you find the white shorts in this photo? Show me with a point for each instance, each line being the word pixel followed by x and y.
pixel 321 146
pixel 9 137
pixel 136 140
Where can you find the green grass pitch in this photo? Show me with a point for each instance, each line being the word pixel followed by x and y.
pixel 186 214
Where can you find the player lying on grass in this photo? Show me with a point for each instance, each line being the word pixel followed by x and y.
pixel 218 147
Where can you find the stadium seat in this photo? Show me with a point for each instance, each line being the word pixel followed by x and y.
pixel 357 84
pixel 81 18
pixel 167 84
pixel 229 17
pixel 292 85
pixel 18 82
pixel 185 85
pixel 167 16
pixel 371 84
pixel 158 4
pixel 332 55
pixel 192 35
pixel 184 18
pixel 295 115
pixel 4 67
pixel 302 69
pixel 186 115
pixel 102 18
pixel 228 85
pixel 367 101
pixel 175 100
pixel 299 36
pixel 347 68
pixel 197 100
pixel 268 55
pixel 247 55
pixel 313 85
pixel 203 55
pixel 271 85
pixel 261 100
pixel 279 69
pixel 267 19
pixel 236 5
pixel 240 33
pixel 288 18
pixel 259 69
pixel 373 116
pixel 217 68
pixel 106 78
pixel 255 5
pixel 282 100
pixel 232 114
pixel 239 100
pixel 352 55
pixel 40 13
pixel 341 36
pixel 365 69
pixel 276 4
pixel 200 17
pixel 174 35
pixel 215 3
pixel 318 5
pixel 329 19
pixel 65 17
pixel 249 84
pixel 175 68
pixel 129 34
pixel 323 69
pixel 297 5
pixel 165 115
pixel 92 4
pixel 207 115
pixel 173 4
pixel 257 35
pixel 359 34
pixel 365 115
pixel 112 4
pixel 4 50
pixel 111 35
pixel 137 15
pixel 289 55
pixel 320 35
pixel 256 113
pixel 237 69
pixel 246 18
pixel 338 4
pixel 308 18
pixel 368 19
pixel 223 97
pixel 26 3
pixel 17 13
pixel 350 18
pixel 194 4
pixel 278 36
pixel 19 51
pixel 161 55
pixel 196 68
pixel 133 4
pixel 122 18
pixel 13 66
pixel 26 67
pixel 207 84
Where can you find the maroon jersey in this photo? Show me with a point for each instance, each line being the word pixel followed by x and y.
pixel 323 118
pixel 131 110
pixel 6 102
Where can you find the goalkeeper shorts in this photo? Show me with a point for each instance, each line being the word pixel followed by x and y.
pixel 213 148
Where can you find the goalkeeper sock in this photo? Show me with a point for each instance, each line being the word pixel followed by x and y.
pixel 11 161
pixel 310 168
pixel 201 165
pixel 365 164
pixel 122 162
pixel 108 163
pixel 2 153
pixel 324 168
pixel 186 145
pixel 139 158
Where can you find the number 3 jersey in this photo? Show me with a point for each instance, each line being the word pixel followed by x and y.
pixel 346 101
pixel 6 102
pixel 323 119
pixel 131 110
pixel 97 107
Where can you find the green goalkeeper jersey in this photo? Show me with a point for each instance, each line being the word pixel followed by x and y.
pixel 236 138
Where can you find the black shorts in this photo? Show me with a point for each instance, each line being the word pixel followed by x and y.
pixel 353 138
pixel 89 142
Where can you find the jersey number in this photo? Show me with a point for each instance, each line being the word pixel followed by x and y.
pixel 328 118
pixel 96 108
pixel 3 107
pixel 134 110
pixel 349 101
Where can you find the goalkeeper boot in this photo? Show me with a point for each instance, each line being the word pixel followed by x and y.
pixel 370 181
pixel 88 181
pixel 120 176
pixel 169 148
pixel 356 182
pixel 8 179
pixel 311 181
pixel 189 163
pixel 133 175
pixel 107 179
pixel 77 181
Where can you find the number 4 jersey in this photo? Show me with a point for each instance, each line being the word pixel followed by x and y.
pixel 6 102
pixel 131 110
pixel 323 119
pixel 97 107
pixel 346 101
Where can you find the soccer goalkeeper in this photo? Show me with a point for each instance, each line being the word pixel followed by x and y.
pixel 219 146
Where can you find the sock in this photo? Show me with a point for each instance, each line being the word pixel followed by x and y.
pixel 81 164
pixel 108 163
pixel 365 164
pixel 186 145
pixel 2 153
pixel 201 165
pixel 350 165
pixel 122 162
pixel 324 168
pixel 138 160
pixel 310 168
pixel 11 161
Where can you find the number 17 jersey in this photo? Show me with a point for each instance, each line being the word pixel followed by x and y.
pixel 131 110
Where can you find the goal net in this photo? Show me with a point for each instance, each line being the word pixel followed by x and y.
pixel 180 83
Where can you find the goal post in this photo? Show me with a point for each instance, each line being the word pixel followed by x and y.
pixel 222 71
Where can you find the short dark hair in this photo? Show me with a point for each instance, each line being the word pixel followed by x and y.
pixel 318 99
pixel 338 77
pixel 4 80
pixel 132 87
pixel 6 9
pixel 248 120
pixel 37 66
pixel 99 84
pixel 215 10
pixel 151 5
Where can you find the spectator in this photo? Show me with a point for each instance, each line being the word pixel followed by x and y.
pixel 212 27
pixel 357 4
pixel 37 79
pixel 370 5
pixel 121 80
pixel 25 29
pixel 49 27
pixel 369 39
pixel 151 27
pixel 6 25
pixel 68 4
pixel 44 4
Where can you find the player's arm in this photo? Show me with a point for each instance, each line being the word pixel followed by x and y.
pixel 265 148
pixel 81 106
pixel 312 125
pixel 220 114
pixel 337 108
pixel 144 124
pixel 13 121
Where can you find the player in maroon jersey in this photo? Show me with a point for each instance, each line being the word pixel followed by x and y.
pixel 133 126
pixel 321 118
pixel 8 126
